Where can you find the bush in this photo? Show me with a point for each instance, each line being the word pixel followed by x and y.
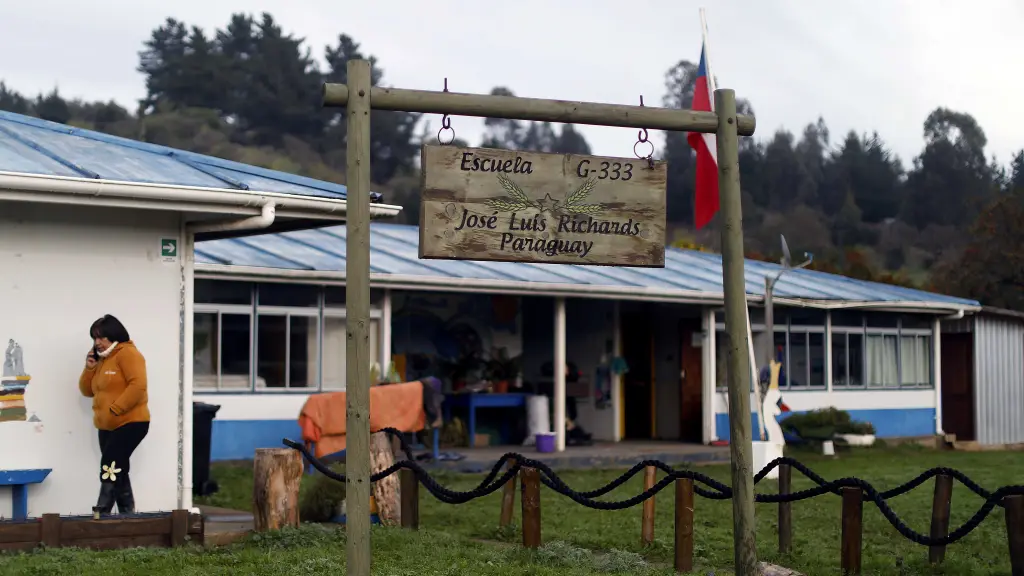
pixel 825 423
pixel 321 498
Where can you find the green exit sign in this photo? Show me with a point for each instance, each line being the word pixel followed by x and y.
pixel 169 248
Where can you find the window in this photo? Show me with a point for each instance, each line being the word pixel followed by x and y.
pixel 334 296
pixel 803 359
pixel 291 335
pixel 287 351
pixel 869 350
pixel 298 295
pixel 915 360
pixel 847 359
pixel 886 351
pixel 335 347
pixel 221 345
pixel 883 354
pixel 205 351
pixel 207 292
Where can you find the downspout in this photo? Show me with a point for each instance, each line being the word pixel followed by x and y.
pixel 185 386
pixel 959 314
pixel 264 220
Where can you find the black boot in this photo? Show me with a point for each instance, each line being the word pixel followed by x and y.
pixel 125 497
pixel 105 503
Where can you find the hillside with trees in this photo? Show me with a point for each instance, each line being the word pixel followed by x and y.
pixel 950 219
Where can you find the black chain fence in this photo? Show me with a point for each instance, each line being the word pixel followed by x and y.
pixel 704 486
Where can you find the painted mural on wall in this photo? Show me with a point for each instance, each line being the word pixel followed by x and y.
pixel 13 381
pixel 446 335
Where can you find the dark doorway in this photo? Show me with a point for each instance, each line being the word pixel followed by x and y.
pixel 958 385
pixel 691 425
pixel 638 388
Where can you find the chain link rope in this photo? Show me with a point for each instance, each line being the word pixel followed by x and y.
pixel 704 486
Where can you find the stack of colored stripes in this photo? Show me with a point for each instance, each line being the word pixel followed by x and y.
pixel 12 398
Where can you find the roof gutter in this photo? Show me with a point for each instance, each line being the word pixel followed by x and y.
pixel 71 190
pixel 264 220
pixel 548 289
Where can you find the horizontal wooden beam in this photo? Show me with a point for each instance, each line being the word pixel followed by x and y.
pixel 514 107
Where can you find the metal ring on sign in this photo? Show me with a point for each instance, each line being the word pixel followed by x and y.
pixel 446 124
pixel 649 156
pixel 441 131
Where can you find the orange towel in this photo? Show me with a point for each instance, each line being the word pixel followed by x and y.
pixel 398 406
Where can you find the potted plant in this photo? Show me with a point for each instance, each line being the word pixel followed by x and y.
pixel 500 370
pixel 856 433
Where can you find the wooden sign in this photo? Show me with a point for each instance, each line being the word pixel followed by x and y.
pixel 514 206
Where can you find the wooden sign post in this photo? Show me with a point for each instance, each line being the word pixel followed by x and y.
pixel 635 200
pixel 514 206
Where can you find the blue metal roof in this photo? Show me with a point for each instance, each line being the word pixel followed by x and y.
pixel 394 251
pixel 32 146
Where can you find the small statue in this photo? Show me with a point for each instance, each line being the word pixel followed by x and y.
pixel 19 361
pixel 9 360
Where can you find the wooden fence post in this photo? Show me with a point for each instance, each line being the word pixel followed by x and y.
pixel 785 510
pixel 385 490
pixel 179 527
pixel 410 494
pixel 529 478
pixel 941 502
pixel 684 525
pixel 50 530
pixel 508 497
pixel 647 519
pixel 1015 532
pixel 853 508
pixel 275 495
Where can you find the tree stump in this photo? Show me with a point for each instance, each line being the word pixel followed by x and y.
pixel 277 473
pixel 385 491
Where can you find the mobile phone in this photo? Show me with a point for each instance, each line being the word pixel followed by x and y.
pixel 95 354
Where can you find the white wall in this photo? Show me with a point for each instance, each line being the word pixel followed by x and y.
pixel 60 269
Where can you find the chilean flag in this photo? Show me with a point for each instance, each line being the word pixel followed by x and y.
pixel 705 202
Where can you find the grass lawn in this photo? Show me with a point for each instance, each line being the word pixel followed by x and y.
pixel 453 539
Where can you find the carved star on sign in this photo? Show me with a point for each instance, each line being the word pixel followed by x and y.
pixel 547 203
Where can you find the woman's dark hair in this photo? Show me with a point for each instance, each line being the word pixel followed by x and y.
pixel 110 328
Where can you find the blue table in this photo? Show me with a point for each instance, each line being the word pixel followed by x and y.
pixel 19 480
pixel 481 400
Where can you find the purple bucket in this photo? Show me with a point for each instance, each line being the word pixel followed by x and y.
pixel 545 442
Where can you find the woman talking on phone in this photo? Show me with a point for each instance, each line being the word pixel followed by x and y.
pixel 115 378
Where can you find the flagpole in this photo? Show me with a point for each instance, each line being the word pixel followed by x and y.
pixel 737 326
pixel 750 333
pixel 707 56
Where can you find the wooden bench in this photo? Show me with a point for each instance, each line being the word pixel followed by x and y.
pixel 19 480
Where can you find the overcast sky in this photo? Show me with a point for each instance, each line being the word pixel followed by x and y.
pixel 861 64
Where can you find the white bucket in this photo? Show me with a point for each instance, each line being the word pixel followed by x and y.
pixel 828 448
pixel 538 419
pixel 764 453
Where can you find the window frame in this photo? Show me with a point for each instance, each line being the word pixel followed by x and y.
pixel 899 332
pixel 830 334
pixel 254 310
pixel 218 311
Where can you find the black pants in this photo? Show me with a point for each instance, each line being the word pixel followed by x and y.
pixel 117 447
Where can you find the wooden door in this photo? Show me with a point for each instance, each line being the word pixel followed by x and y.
pixel 691 414
pixel 958 385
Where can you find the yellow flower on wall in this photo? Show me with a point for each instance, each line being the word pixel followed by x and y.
pixel 111 472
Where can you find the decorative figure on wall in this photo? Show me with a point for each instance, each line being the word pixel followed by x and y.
pixel 773 406
pixel 13 382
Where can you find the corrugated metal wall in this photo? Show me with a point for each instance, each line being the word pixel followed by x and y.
pixel 999 379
